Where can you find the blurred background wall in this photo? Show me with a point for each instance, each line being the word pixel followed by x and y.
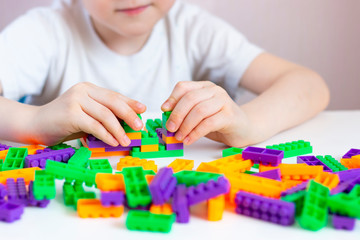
pixel 323 35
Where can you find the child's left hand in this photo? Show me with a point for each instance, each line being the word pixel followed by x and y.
pixel 205 109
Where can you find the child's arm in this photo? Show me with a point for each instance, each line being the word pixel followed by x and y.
pixel 289 95
pixel 84 108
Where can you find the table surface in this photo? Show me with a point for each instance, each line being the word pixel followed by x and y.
pixel 331 132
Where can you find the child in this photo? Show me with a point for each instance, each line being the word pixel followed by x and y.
pixel 85 63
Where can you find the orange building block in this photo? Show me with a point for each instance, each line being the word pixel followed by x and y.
pixel 3 154
pixel 170 140
pixel 136 162
pixel 290 183
pixel 27 173
pixel 181 164
pixel 134 135
pixel 264 168
pixel 149 178
pixel 32 148
pixel 110 182
pixel 299 171
pixel 328 179
pixel 351 163
pixel 161 209
pixel 207 167
pixel 92 208
pixel 100 152
pixel 216 208
pixel 149 148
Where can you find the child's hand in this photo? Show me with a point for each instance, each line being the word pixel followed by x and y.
pixel 205 109
pixel 86 108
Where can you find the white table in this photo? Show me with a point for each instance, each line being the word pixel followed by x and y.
pixel 331 133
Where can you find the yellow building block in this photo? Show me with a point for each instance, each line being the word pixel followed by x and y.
pixel 33 148
pixel 181 164
pixel 161 209
pixel 134 135
pixel 110 182
pixel 216 207
pixel 149 148
pixel 92 208
pixel 264 168
pixel 328 179
pixel 299 171
pixel 136 162
pixel 350 163
pixel 233 165
pixel 170 140
pixel 27 173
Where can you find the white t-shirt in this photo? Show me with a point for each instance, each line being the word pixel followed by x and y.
pixel 48 50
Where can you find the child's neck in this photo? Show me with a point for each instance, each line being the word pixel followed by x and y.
pixel 120 44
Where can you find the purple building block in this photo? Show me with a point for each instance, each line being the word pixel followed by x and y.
pixel 17 193
pixel 167 133
pixel 267 209
pixel 313 161
pixel 4 147
pixel 348 174
pixel 297 188
pixel 43 150
pixel 3 191
pixel 272 174
pixel 93 142
pixel 174 146
pixel 205 191
pixel 264 156
pixel 159 134
pixel 343 222
pixel 113 198
pixel 346 186
pixel 39 160
pixel 162 186
pixel 180 204
pixel 32 201
pixel 9 212
pixel 118 148
pixel 352 152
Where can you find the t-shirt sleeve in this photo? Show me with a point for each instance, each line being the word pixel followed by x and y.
pixel 26 51
pixel 220 53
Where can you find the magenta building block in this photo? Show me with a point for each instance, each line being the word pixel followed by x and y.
pixel 174 146
pixel 352 152
pixel 180 204
pixel 205 191
pixel 9 212
pixel 4 147
pixel 267 209
pixel 17 191
pixel 300 187
pixel 39 160
pixel 162 186
pixel 34 202
pixel 167 133
pixel 3 191
pixel 264 156
pixel 313 161
pixel 272 174
pixel 113 198
pixel 343 222
pixel 348 174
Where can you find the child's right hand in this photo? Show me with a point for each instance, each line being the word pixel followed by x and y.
pixel 86 108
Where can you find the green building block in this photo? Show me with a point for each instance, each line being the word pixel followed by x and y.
pixel 193 178
pixel 73 192
pixel 355 192
pixel 153 124
pixel 345 204
pixel 100 165
pixel 15 159
pixel 256 166
pixel 44 185
pixel 162 153
pixel 126 127
pixel 137 189
pixel 249 172
pixel 1 164
pixel 332 163
pixel 165 117
pixel 231 151
pixel 61 146
pixel 147 221
pixel 83 195
pixel 80 158
pixel 71 172
pixel 149 138
pixel 292 149
pixel 314 214
pixel 298 199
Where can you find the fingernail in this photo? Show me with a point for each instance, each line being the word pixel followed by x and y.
pixel 170 126
pixel 186 140
pixel 166 105
pixel 114 143
pixel 139 105
pixel 127 140
pixel 138 123
pixel 178 136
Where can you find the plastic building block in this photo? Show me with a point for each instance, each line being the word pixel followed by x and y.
pixel 193 178
pixel 16 192
pixel 161 209
pixel 351 163
pixel 14 159
pixel 114 198
pixel 149 138
pixel 10 212
pixel 299 187
pixel 315 211
pixel 60 146
pixel 263 155
pixel 345 204
pixel 162 186
pixel 272 174
pixel 110 182
pixel 32 201
pixel 346 186
pixel 347 174
pixel 327 179
pixel 343 222
pixel 298 199
pixel 312 161
pixel 27 173
pixel 80 158
pixel 180 204
pixel 3 154
pixel 181 164
pixel 3 191
pixel 44 186
pixel 249 172
pixel 165 116
pixel 153 124
pixel 1 164
pixel 114 149
pixel 100 165
pixel 167 133
pixel 147 221
pixel 137 190
pixel 162 153
pixel 136 162
pixel 174 146
pixel 71 172
pixel 355 192
pixel 149 148
pixel 263 168
pixel 32 149
pixel 292 149
pixel 216 207
pixel 39 160
pixel 92 208
pixel 299 171
pixel 352 152
pixel 231 151
pixel 332 163
pixel 4 147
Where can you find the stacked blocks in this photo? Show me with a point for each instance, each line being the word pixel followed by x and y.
pixel 292 149
pixel 264 156
pixel 34 202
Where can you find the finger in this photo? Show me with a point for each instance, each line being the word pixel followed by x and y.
pixel 136 105
pixel 107 118
pixel 180 90
pixel 200 112
pixel 184 106
pixel 211 124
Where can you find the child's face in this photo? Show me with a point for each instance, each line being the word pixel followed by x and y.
pixel 128 18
